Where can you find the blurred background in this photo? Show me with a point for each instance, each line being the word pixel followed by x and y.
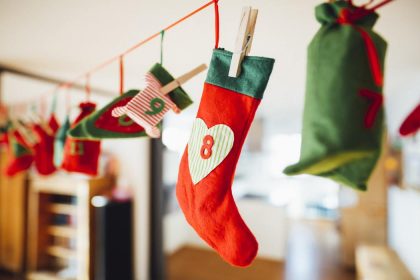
pixel 126 223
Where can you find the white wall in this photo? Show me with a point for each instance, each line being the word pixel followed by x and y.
pixel 404 227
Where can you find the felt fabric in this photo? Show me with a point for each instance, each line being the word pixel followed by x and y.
pixel 102 125
pixel 53 123
pixel 178 95
pixel 25 135
pixel 82 156
pixel 3 138
pixel 254 74
pixel 343 114
pixel 4 130
pixel 148 107
pixel 59 141
pixel 20 156
pixel 411 124
pixel 86 109
pixel 44 148
pixel 208 164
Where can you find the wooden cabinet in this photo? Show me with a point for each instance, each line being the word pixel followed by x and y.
pixel 13 196
pixel 60 224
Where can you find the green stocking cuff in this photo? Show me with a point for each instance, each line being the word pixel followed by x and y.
pixel 255 73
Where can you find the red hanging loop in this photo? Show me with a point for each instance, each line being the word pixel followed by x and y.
pixel 347 17
pixel 121 75
pixel 383 3
pixel 216 23
pixel 87 87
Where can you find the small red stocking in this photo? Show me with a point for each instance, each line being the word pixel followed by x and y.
pixel 82 156
pixel 411 124
pixel 20 155
pixel 207 168
pixel 53 123
pixel 44 149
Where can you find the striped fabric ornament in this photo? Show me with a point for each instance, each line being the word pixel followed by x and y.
pixel 148 107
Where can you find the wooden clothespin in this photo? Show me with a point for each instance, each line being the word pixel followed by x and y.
pixel 243 40
pixel 182 79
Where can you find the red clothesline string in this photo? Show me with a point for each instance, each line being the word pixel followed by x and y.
pixel 383 3
pixel 121 75
pixel 87 86
pixel 139 44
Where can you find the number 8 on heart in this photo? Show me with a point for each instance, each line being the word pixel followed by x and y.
pixel 206 149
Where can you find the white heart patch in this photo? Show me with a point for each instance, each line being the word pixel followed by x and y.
pixel 207 148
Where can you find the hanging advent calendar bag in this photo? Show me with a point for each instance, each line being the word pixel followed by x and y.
pixel 207 168
pixel 44 148
pixel 343 120
pixel 102 125
pixel 82 156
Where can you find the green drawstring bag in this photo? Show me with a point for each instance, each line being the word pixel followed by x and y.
pixel 343 120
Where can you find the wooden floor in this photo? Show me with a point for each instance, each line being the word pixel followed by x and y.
pixel 312 254
pixel 197 264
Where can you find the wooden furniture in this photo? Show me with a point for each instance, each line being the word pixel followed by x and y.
pixel 380 263
pixel 13 197
pixel 366 222
pixel 50 245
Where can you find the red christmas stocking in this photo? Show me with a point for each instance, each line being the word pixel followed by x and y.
pixel 44 149
pixel 53 123
pixel 82 156
pixel 207 168
pixel 20 155
pixel 411 124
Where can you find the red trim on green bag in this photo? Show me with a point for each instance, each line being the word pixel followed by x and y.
pixel 374 64
pixel 349 17
pixel 376 101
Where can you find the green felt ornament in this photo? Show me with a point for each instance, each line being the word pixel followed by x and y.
pixel 343 116
pixel 102 125
pixel 60 140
